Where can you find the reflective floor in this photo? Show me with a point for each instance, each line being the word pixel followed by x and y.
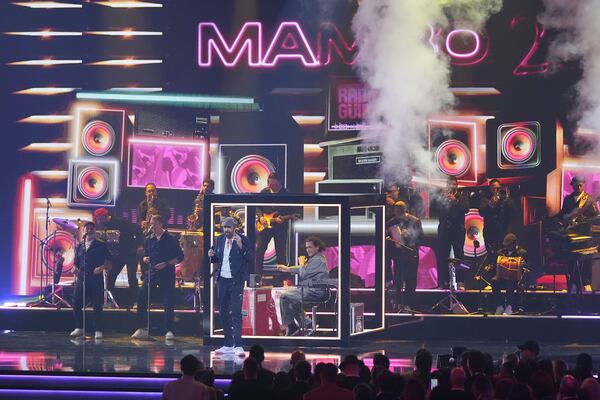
pixel 44 351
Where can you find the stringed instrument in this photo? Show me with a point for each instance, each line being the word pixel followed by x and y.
pixel 266 220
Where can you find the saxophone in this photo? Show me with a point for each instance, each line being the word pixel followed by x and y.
pixel 194 220
pixel 146 227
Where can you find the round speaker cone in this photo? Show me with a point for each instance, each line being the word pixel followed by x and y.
pixel 98 138
pixel 92 183
pixel 250 173
pixel 453 158
pixel 519 145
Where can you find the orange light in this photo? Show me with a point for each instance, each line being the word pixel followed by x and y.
pixel 46 119
pixel 125 62
pixel 129 4
pixel 45 91
pixel 46 62
pixel 48 147
pixel 46 4
pixel 310 120
pixel 45 33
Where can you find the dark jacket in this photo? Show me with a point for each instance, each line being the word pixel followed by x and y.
pixel 95 256
pixel 239 259
pixel 163 250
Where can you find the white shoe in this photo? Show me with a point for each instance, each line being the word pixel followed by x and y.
pixel 508 310
pixel 76 332
pixel 140 334
pixel 169 336
pixel 499 310
pixel 239 351
pixel 224 350
pixel 98 335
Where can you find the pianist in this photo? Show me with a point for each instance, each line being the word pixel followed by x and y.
pixel 313 270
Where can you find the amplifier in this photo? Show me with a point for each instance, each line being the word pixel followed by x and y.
pixel 357 317
pixel 172 123
pixel 349 186
pixel 354 161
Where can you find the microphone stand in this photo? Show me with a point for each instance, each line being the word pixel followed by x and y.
pixel 478 277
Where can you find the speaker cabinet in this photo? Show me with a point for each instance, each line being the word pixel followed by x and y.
pixel 92 183
pixel 244 168
pixel 457 148
pixel 99 133
pixel 521 147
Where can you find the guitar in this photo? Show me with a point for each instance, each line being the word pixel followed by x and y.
pixel 267 219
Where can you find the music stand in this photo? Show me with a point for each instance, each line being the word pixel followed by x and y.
pixel 454 305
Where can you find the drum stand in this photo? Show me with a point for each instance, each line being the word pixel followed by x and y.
pixel 109 299
pixel 451 302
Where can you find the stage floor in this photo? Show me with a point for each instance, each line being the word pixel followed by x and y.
pixel 118 354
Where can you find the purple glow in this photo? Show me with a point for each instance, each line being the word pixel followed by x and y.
pixel 170 164
pixel 277 50
pixel 330 38
pixel 249 40
pixel 75 394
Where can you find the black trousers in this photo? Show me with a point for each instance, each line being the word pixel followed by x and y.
pixel 449 239
pixel 165 281
pixel 406 264
pixel 279 232
pixel 509 286
pixel 131 260
pixel 580 274
pixel 94 293
pixel 230 296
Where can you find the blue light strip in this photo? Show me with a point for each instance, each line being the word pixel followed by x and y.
pixel 202 101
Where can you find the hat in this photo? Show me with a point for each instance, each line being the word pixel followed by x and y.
pixel 228 221
pixel 400 203
pixel 509 239
pixel 101 212
pixel 350 360
pixel 577 179
pixel 530 345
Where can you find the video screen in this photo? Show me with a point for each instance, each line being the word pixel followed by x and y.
pixel 168 163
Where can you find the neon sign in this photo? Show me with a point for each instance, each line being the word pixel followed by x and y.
pixel 290 42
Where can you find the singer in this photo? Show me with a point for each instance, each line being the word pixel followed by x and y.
pixel 92 260
pixel 161 252
pixel 233 255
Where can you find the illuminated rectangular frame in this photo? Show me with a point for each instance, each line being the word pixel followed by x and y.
pixel 171 142
pixel 76 132
pixel 212 233
pixel 221 169
pixel 101 161
pixel 344 204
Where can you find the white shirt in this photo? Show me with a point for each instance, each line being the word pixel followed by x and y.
pixel 225 268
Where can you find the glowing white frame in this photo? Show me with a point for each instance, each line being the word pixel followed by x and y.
pixel 212 278
pixel 99 160
pixel 76 132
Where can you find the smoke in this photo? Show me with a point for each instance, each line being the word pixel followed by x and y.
pixel 578 40
pixel 412 81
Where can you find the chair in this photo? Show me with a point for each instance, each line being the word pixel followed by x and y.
pixel 313 306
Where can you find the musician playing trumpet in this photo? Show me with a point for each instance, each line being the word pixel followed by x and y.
pixel 510 258
pixel 311 268
pixel 451 206
pixel 404 235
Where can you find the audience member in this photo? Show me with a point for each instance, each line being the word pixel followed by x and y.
pixel 301 385
pixel 249 388
pixel 350 376
pixel 386 384
pixel 363 391
pixel 415 389
pixel 520 391
pixel 542 385
pixel 560 370
pixel 568 388
pixel 186 387
pixel 482 388
pixel 590 389
pixel 530 350
pixel 583 366
pixel 475 366
pixel 328 390
pixel 381 360
pixel 265 376
pixel 423 363
pixel 281 385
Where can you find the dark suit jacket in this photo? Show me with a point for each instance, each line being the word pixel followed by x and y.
pixel 239 259
pixel 329 392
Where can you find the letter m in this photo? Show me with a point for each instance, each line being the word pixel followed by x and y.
pixel 211 41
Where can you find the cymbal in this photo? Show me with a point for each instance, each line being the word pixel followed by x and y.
pixel 69 224
pixel 459 264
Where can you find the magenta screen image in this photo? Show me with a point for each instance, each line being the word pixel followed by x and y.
pixel 168 163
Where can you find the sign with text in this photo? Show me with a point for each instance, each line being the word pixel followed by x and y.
pixel 348 100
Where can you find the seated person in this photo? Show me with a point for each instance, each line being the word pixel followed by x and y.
pixel 314 269
pixel 508 280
